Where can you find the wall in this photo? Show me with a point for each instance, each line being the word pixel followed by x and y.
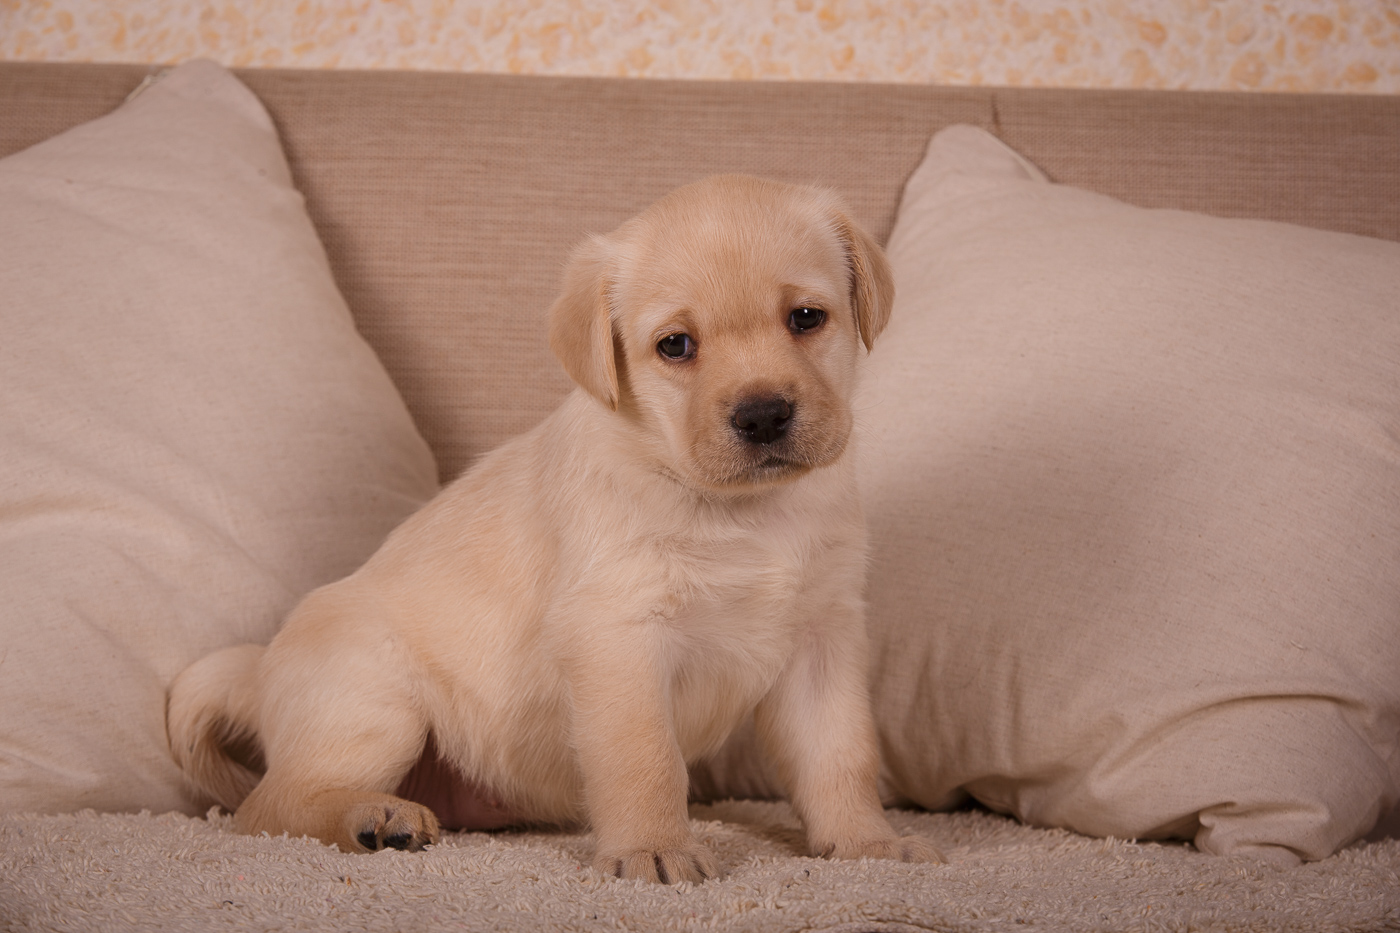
pixel 1293 45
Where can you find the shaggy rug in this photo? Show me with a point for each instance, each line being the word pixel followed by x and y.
pixel 106 872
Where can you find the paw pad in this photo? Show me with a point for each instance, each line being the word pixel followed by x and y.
pixel 405 826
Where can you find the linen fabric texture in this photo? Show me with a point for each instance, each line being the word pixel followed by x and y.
pixel 193 435
pixel 1133 481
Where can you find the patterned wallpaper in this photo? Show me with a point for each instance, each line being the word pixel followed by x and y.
pixel 1302 45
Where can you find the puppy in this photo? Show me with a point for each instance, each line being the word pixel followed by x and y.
pixel 599 602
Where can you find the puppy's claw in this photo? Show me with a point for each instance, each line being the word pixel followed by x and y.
pixel 919 849
pixel 692 863
pixel 895 848
pixel 405 826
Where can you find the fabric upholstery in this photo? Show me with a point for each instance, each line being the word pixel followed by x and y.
pixel 1133 482
pixel 448 202
pixel 194 435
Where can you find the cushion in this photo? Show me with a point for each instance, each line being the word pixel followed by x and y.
pixel 193 435
pixel 1133 485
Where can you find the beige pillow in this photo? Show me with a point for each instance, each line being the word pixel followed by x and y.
pixel 1134 490
pixel 192 433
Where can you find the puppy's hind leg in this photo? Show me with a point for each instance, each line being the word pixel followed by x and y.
pixel 340 726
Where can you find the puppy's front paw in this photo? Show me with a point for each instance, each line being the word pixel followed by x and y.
pixel 398 824
pixel 896 848
pixel 690 862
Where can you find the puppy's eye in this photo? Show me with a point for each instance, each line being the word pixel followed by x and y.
pixel 805 319
pixel 676 347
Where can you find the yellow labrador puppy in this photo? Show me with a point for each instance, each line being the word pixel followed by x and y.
pixel 600 601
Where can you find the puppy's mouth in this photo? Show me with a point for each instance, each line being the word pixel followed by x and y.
pixel 777 466
pixel 748 467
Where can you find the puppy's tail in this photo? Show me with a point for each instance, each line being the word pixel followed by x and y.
pixel 211 719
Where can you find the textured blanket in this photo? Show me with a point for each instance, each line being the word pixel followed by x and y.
pixel 140 872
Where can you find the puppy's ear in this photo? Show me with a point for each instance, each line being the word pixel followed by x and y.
pixel 872 282
pixel 580 322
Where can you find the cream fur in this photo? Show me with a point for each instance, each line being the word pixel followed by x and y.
pixel 599 602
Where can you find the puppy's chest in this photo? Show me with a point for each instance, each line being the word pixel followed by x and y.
pixel 731 616
pixel 735 580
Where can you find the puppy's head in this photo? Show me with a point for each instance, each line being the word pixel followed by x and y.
pixel 725 323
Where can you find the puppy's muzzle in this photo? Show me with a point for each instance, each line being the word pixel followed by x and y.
pixel 762 419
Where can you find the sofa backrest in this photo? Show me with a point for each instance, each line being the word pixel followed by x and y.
pixel 448 202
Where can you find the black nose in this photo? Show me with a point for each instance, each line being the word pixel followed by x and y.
pixel 762 420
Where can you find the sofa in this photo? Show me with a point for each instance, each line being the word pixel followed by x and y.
pixel 1130 455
